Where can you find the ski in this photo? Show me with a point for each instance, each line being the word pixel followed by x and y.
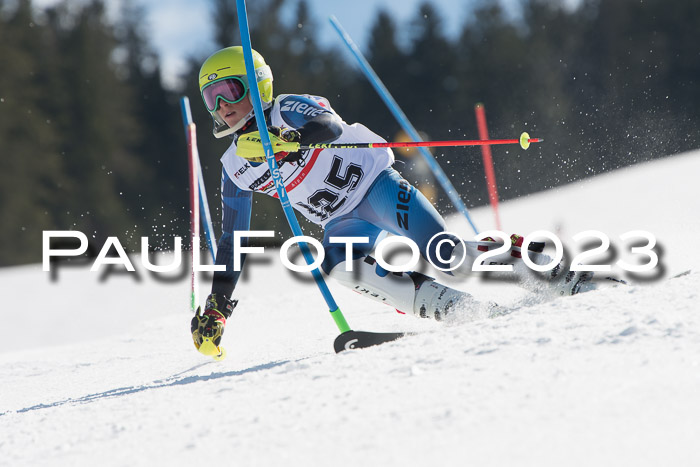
pixel 362 339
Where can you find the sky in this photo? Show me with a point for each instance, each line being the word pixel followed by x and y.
pixel 179 29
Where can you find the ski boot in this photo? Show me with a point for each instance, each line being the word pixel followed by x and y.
pixel 207 329
pixel 571 282
pixel 562 282
pixel 434 300
pixel 406 292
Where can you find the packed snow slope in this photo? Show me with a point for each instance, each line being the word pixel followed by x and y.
pixel 99 369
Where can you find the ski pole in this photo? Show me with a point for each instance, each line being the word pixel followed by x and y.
pixel 348 338
pixel 524 141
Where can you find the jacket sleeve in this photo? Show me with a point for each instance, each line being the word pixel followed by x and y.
pixel 314 121
pixel 324 128
pixel 236 207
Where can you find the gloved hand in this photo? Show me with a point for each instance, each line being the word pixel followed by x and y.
pixel 291 136
pixel 207 329
pixel 249 145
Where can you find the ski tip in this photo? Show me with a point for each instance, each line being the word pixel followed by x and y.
pixel 208 348
pixel 361 339
pixel 221 356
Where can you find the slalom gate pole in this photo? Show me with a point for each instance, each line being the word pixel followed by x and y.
pixel 488 162
pixel 403 121
pixel 203 200
pixel 337 315
pixel 194 210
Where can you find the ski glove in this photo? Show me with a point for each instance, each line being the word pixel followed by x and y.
pixel 207 329
pixel 249 145
pixel 292 136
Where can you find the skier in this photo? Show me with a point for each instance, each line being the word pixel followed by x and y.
pixel 349 192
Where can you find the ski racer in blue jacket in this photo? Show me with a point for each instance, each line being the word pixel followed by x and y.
pixel 349 192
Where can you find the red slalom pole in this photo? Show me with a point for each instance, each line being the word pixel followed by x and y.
pixel 488 162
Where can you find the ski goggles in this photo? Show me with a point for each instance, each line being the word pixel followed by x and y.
pixel 231 90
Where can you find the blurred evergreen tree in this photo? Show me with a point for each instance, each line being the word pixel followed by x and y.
pixel 429 73
pixel 389 62
pixel 96 128
pixel 645 78
pixel 551 38
pixel 31 166
pixel 160 186
pixel 225 20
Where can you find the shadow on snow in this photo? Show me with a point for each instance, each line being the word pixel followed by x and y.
pixel 158 384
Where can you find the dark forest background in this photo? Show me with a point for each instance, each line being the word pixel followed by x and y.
pixel 91 140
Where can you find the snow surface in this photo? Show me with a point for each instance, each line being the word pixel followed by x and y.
pixel 102 371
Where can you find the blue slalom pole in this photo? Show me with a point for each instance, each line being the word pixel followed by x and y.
pixel 403 120
pixel 203 203
pixel 279 185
